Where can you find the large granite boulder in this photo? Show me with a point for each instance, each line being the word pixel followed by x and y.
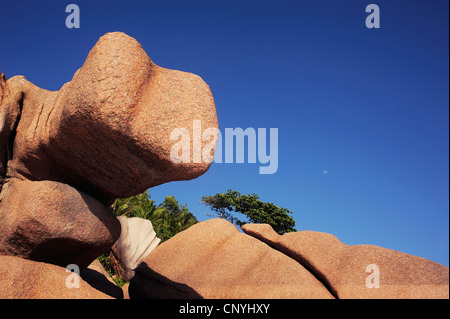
pixel 108 132
pixel 212 259
pixel 27 279
pixel 54 222
pixel 359 271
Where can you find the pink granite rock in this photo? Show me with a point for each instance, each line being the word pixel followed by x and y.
pixel 26 279
pixel 360 271
pixel 212 259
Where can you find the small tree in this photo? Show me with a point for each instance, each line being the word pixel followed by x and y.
pixel 256 211
pixel 177 217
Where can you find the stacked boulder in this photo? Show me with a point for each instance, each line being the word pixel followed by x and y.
pixel 65 156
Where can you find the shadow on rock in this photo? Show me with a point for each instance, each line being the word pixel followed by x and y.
pixel 98 281
pixel 148 284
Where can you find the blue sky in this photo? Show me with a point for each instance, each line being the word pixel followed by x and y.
pixel 370 106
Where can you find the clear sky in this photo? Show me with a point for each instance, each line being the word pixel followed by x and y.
pixel 362 114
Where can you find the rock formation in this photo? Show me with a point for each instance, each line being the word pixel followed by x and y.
pixel 65 156
pixel 54 222
pixel 106 132
pixel 213 259
pixel 344 268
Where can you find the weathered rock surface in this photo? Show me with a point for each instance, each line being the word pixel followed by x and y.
pixel 67 155
pixel 26 279
pixel 137 239
pixel 53 222
pixel 342 268
pixel 213 259
pixel 113 119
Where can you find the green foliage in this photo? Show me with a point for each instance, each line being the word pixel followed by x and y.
pixel 168 218
pixel 176 218
pixel 138 206
pixel 256 211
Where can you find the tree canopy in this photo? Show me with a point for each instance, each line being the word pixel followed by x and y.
pixel 226 205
